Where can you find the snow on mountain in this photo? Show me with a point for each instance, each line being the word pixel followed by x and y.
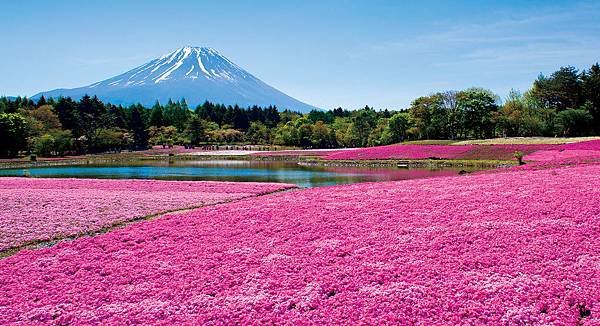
pixel 197 74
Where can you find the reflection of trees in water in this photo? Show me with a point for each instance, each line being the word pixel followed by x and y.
pixel 240 171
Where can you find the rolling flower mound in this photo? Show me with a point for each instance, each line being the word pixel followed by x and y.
pixel 516 247
pixel 587 151
pixel 418 152
pixel 503 151
pixel 44 209
pixel 563 155
pixel 586 145
pixel 400 151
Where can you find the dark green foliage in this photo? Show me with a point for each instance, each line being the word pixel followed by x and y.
pixel 573 123
pixel 397 128
pixel 13 134
pixel 195 130
pixel 138 128
pixel 591 93
pixel 478 107
pixel 562 90
pixel 156 116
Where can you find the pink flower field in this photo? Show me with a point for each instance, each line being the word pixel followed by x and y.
pixel 546 156
pixel 462 152
pixel 588 151
pixel 178 149
pixel 399 151
pixel 517 247
pixel 586 145
pixel 302 152
pixel 43 209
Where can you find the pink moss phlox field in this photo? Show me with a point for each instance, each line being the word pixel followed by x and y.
pixel 42 209
pixel 502 151
pixel 159 150
pixel 581 151
pixel 517 247
pixel 399 151
pixel 303 152
pixel 545 156
pixel 586 145
pixel 418 152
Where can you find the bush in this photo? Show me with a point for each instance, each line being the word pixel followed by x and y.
pixel 44 145
pixel 519 156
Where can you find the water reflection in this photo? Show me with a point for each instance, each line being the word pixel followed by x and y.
pixel 228 170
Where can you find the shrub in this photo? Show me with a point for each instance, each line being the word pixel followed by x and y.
pixel 519 157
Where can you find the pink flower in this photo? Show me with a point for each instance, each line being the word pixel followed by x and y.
pixel 517 247
pixel 44 209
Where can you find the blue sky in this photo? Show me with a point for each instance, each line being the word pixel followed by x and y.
pixel 326 53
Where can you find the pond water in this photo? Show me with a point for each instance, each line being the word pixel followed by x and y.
pixel 227 170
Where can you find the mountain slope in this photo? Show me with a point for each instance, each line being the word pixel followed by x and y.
pixel 194 73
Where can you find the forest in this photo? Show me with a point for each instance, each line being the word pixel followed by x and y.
pixel 566 103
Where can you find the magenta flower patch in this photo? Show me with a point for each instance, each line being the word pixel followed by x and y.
pixel 518 247
pixel 399 151
pixel 43 209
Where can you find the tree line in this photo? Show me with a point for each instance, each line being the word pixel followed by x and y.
pixel 566 103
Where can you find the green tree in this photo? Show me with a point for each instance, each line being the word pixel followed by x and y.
pixel 591 93
pixel 573 122
pixel 195 130
pixel 176 114
pixel 427 116
pixel 285 134
pixel 376 137
pixel 341 127
pixel 138 127
pixel 156 115
pixel 478 106
pixel 322 136
pixel 45 117
pixel 363 122
pixel 226 135
pixel 44 145
pixel 397 128
pixel 453 113
pixel 13 134
pixel 166 136
pixel 109 139
pixel 509 117
pixel 258 133
pixel 63 141
pixel 66 109
pixel 560 91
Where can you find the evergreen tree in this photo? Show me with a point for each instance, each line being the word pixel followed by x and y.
pixel 138 127
pixel 561 91
pixel 195 130
pixel 591 91
pixel 156 115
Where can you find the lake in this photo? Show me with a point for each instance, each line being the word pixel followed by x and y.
pixel 228 170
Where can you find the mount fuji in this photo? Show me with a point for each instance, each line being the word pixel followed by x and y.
pixel 197 74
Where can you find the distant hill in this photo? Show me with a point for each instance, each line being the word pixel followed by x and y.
pixel 197 74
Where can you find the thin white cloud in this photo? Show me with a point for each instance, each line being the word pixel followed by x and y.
pixel 544 36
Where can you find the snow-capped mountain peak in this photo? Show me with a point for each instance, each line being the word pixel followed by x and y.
pixel 194 73
pixel 184 63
